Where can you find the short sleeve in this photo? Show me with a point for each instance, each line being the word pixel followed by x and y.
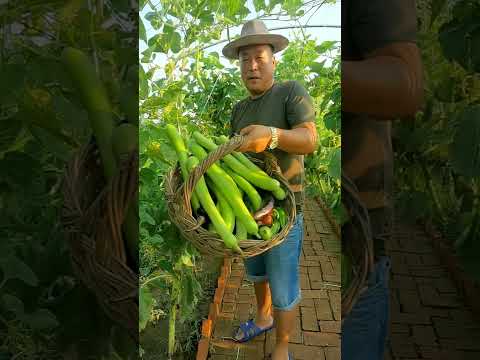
pixel 299 106
pixel 376 23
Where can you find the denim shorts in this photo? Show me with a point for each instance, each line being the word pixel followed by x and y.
pixel 280 267
pixel 365 329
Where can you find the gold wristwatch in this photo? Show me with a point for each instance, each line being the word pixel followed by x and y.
pixel 274 142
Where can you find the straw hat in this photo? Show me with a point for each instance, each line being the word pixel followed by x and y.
pixel 254 32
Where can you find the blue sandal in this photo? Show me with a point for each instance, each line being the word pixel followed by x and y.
pixel 250 330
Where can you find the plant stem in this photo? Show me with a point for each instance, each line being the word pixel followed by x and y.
pixel 171 330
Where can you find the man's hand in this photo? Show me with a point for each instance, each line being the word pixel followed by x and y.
pixel 257 138
pixel 301 140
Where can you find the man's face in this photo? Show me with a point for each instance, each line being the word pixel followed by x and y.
pixel 257 66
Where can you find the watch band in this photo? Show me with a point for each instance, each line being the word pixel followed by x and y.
pixel 274 142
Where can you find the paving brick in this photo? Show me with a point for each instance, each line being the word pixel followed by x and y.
pixel 234 282
pixel 228 307
pixel 403 346
pixel 315 273
pixel 303 352
pixel 403 282
pixel 308 263
pixel 314 294
pixel 330 326
pixel 423 335
pixel 332 353
pixel 323 310
pixel 431 297
pixel 304 282
pixel 307 302
pixel 309 319
pixel 237 273
pixel 321 339
pixel 399 329
pixel 404 318
pixel 245 298
pixel 409 301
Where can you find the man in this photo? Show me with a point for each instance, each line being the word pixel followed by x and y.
pixel 277 117
pixel 381 81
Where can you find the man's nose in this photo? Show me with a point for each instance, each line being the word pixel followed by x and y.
pixel 252 65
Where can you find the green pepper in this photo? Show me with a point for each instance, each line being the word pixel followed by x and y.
pixel 265 232
pixel 275 227
pixel 282 217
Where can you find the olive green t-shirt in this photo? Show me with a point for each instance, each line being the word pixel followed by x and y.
pixel 284 106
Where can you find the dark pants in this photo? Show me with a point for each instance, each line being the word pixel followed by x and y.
pixel 365 329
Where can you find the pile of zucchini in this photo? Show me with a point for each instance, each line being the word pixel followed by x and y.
pixel 236 196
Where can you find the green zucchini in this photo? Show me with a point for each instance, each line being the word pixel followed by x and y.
pixel 240 231
pixel 179 146
pixel 229 190
pixel 242 157
pixel 94 97
pixel 249 190
pixel 279 194
pixel 209 206
pixel 225 209
pixel 124 140
pixel 259 180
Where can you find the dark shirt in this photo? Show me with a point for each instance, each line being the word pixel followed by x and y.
pixel 367 156
pixel 284 106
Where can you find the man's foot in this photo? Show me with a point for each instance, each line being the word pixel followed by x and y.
pixel 251 329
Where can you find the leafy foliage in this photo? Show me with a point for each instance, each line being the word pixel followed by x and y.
pixel 439 154
pixel 45 311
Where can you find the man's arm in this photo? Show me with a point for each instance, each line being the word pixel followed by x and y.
pixel 301 140
pixel 387 84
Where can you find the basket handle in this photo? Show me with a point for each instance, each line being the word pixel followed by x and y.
pixel 232 145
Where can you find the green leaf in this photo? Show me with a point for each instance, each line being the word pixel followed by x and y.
pixel 325 46
pixel 42 319
pixel 317 67
pixel 143 83
pixel 145 306
pixel 452 41
pixel 175 42
pixel 141 31
pixel 14 268
pixel 465 154
pixel 436 6
pixel 332 121
pixel 186 260
pixel 13 304
pixel 334 167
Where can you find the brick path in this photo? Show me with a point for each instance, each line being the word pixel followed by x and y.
pixel 317 325
pixel 428 317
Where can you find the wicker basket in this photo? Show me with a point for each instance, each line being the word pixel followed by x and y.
pixel 178 196
pixel 357 241
pixel 93 213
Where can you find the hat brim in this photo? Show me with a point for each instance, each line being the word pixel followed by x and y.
pixel 278 42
